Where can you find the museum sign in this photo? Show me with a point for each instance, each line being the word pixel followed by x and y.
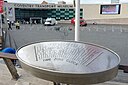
pixel 43 5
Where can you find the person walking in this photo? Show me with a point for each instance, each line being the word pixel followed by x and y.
pixel 35 22
pixel 31 22
pixel 17 24
pixel 9 25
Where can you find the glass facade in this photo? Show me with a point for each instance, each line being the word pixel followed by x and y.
pixel 59 14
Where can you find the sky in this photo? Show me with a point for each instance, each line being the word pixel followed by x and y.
pixel 67 1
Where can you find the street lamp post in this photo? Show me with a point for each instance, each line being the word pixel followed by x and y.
pixel 77 20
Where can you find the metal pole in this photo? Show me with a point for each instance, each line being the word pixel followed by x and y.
pixel 77 20
pixel 1 34
pixel 1 22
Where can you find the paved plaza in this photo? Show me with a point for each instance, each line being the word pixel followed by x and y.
pixel 113 37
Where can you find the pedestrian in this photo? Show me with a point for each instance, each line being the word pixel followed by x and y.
pixel 31 22
pixel 17 24
pixel 35 22
pixel 12 23
pixel 9 25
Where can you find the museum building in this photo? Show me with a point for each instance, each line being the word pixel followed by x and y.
pixel 39 12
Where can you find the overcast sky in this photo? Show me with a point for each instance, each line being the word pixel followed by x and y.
pixel 68 1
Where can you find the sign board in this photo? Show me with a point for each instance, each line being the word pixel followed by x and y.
pixel 69 62
pixel 10 11
pixel 17 5
pixel 1 6
pixel 69 57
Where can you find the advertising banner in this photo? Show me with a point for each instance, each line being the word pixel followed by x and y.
pixel 10 11
pixel 110 9
pixel 1 6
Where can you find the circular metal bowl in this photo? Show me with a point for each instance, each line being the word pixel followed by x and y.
pixel 69 62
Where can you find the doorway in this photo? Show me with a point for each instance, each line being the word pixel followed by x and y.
pixel 36 20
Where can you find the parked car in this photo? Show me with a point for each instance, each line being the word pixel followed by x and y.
pixel 82 22
pixel 50 21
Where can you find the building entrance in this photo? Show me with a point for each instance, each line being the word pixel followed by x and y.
pixel 36 20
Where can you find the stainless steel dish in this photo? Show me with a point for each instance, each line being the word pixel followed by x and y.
pixel 69 62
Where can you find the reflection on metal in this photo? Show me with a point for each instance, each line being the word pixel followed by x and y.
pixel 69 62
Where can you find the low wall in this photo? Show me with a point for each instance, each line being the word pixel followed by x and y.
pixel 108 21
pixel 103 21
